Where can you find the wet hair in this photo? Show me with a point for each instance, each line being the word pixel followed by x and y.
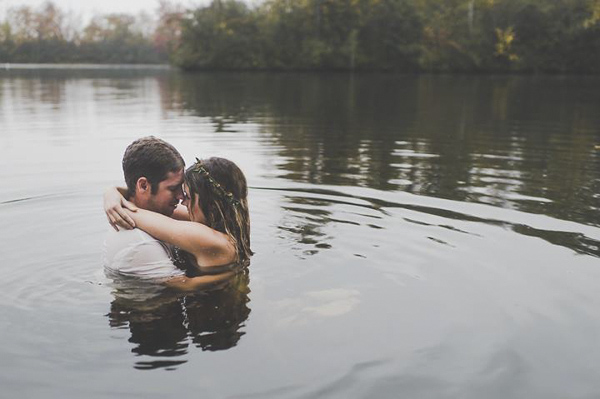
pixel 152 158
pixel 223 192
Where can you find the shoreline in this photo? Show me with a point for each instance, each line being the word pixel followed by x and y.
pixel 168 67
pixel 7 66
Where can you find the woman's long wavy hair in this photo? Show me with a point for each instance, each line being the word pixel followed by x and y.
pixel 227 214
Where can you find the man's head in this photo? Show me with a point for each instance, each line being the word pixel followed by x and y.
pixel 153 172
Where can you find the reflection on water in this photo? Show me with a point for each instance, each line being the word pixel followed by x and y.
pixel 482 139
pixel 402 225
pixel 306 224
pixel 163 324
pixel 485 140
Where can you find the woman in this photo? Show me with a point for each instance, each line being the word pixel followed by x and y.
pixel 214 235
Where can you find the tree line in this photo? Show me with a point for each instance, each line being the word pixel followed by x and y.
pixel 48 34
pixel 380 35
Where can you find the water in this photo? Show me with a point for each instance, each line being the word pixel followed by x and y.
pixel 430 237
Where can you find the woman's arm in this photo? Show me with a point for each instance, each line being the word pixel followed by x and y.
pixel 196 283
pixel 209 246
pixel 114 204
pixel 181 213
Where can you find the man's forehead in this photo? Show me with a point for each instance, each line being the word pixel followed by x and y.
pixel 174 178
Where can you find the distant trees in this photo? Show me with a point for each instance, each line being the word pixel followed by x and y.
pixel 49 34
pixel 389 35
pixel 167 34
pixel 118 38
pixel 402 35
pixel 223 35
pixel 301 34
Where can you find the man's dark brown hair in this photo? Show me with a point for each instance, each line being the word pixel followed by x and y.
pixel 152 158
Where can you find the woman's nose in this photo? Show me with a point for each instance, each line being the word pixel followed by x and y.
pixel 180 195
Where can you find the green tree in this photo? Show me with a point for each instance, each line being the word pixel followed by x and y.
pixel 390 35
pixel 221 35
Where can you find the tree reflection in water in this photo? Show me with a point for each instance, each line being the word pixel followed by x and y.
pixel 476 139
pixel 163 324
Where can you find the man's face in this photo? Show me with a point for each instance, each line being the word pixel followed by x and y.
pixel 168 195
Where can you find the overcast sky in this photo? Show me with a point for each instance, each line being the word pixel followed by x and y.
pixel 89 7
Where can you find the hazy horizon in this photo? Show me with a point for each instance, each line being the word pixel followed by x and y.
pixel 92 7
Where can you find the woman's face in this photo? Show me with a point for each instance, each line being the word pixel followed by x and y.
pixel 194 210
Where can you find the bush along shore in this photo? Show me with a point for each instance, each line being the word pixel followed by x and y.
pixel 558 36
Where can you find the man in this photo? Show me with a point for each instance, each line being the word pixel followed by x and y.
pixel 153 171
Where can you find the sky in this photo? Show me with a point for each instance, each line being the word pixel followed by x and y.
pixel 86 8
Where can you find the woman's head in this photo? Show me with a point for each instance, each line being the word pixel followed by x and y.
pixel 218 198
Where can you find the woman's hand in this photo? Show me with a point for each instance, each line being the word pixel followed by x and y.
pixel 201 282
pixel 115 206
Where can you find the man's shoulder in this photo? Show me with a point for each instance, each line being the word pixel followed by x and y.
pixel 128 236
pixel 116 242
pixel 137 253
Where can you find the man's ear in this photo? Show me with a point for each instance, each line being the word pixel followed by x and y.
pixel 142 186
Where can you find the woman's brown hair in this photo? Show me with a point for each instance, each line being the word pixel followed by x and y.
pixel 222 191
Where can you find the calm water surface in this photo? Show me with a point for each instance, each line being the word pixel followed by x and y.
pixel 416 237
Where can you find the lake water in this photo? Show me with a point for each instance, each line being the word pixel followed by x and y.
pixel 415 237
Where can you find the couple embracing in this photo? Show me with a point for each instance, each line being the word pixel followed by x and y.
pixel 185 229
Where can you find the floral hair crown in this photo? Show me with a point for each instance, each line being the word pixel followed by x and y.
pixel 199 167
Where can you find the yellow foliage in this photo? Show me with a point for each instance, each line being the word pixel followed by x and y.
pixel 505 38
pixel 595 17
